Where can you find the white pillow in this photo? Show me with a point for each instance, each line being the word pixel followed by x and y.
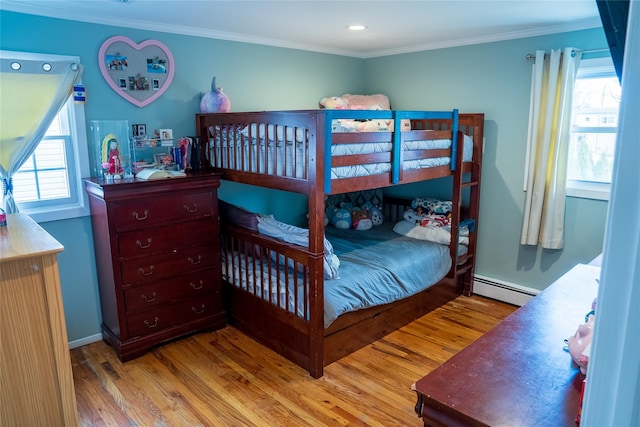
pixel 257 131
pixel 440 235
pixel 271 227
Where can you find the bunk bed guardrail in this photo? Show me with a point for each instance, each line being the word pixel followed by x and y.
pixel 397 116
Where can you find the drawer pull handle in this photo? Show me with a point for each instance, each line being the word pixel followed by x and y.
pixel 146 322
pixel 196 287
pixel 195 261
pixel 191 210
pixel 141 246
pixel 146 273
pixel 196 311
pixel 149 299
pixel 141 218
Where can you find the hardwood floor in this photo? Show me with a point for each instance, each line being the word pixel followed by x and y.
pixel 224 378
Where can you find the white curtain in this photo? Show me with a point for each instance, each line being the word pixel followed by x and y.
pixel 552 86
pixel 32 91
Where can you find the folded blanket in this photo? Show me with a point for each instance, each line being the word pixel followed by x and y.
pixel 269 226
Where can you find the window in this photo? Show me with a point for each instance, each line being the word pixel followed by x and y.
pixel 594 124
pixel 48 186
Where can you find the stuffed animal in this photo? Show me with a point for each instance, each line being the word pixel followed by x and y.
pixel 360 220
pixel 341 218
pixel 329 213
pixel 374 213
pixel 356 102
pixel 363 102
pixel 367 102
pixel 580 344
pixel 333 103
pixel 215 101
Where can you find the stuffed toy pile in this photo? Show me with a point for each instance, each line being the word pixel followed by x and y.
pixel 347 216
pixel 356 102
pixel 360 102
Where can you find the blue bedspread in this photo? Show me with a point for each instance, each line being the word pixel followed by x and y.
pixel 379 266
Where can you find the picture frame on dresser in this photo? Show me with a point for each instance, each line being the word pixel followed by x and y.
pixel 163 159
pixel 139 130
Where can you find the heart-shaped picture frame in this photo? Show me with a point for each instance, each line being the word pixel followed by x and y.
pixel 140 73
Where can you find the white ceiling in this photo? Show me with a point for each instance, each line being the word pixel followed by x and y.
pixel 392 26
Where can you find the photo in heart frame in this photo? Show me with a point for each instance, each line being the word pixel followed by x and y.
pixel 140 73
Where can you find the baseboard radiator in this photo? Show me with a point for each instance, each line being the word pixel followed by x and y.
pixel 503 291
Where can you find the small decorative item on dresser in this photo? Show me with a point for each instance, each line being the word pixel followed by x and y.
pixel 166 137
pixel 196 154
pixel 153 173
pixel 164 159
pixel 3 218
pixel 177 157
pixel 184 144
pixel 112 149
pixel 139 131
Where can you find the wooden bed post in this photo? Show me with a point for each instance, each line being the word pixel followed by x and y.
pixel 477 121
pixel 316 244
pixel 466 176
pixel 464 274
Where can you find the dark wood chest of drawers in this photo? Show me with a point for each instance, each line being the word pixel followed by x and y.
pixel 158 259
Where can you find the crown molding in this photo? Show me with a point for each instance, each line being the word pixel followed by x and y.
pixel 532 32
pixel 56 12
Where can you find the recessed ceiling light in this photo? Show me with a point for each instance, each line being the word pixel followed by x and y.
pixel 356 27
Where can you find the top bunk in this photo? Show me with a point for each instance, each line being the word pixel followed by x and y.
pixel 339 151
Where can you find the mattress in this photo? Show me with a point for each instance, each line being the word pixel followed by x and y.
pixel 377 266
pixel 271 157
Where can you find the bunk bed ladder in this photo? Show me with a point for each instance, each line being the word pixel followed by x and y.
pixel 469 178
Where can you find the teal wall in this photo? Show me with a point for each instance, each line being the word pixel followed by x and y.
pixel 495 79
pixel 492 78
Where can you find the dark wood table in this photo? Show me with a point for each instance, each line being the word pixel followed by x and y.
pixel 518 373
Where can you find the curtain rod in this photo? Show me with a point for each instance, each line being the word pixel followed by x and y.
pixel 533 56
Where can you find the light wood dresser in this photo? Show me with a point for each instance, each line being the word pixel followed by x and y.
pixel 36 380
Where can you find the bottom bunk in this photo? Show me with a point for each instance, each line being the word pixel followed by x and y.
pixel 368 284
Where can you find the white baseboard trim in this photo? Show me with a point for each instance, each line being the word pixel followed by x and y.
pixel 84 341
pixel 503 291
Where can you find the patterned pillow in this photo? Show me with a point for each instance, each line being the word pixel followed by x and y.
pixel 433 206
pixel 356 198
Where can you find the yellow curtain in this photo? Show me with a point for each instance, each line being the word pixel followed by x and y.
pixel 32 91
pixel 553 81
